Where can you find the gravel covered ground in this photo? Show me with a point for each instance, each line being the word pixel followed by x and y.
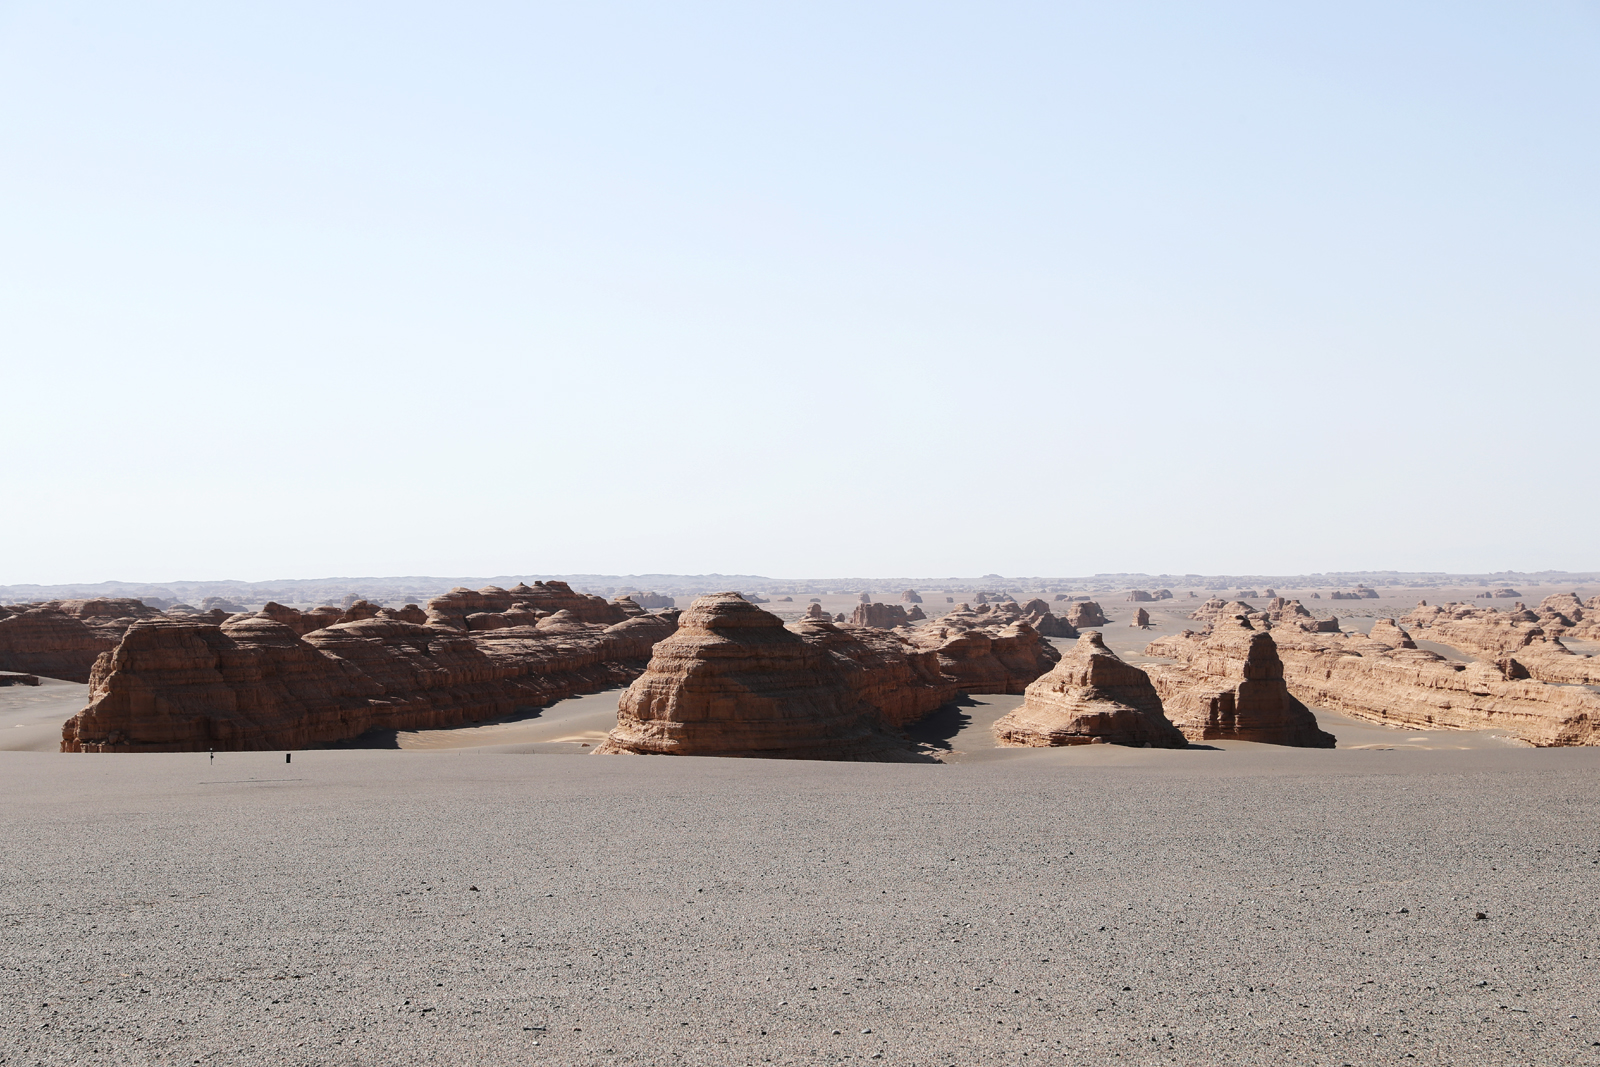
pixel 1245 905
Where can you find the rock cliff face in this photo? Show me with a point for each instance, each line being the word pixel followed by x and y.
pixel 1229 685
pixel 1383 682
pixel 252 682
pixel 898 679
pixel 733 681
pixel 1141 620
pixel 1518 643
pixel 1090 697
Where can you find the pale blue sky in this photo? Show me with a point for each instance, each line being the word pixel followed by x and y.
pixel 797 289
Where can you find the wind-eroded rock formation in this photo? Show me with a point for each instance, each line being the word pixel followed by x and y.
pixel 522 605
pixel 1522 644
pixel 1229 685
pixel 1090 697
pixel 1384 678
pixel 252 682
pixel 733 681
pixel 883 616
pixel 1085 613
pixel 62 638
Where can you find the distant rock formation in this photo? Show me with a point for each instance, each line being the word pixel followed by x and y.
pixel 734 682
pixel 1229 685
pixel 865 598
pixel 1381 681
pixel 1518 643
pixel 1140 596
pixel 1248 594
pixel 252 682
pixel 910 597
pixel 916 614
pixel 814 611
pixel 1085 613
pixel 1090 697
pixel 1141 620
pixel 1163 594
pixel 7 678
pixel 1360 592
pixel 883 616
pixel 652 601
pixel 521 605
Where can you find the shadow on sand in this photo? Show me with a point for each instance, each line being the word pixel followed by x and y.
pixel 938 728
pixel 386 737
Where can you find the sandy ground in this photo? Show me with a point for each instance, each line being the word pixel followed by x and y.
pixel 480 896
pixel 1244 904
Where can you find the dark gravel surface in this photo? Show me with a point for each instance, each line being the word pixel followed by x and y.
pixel 1250 905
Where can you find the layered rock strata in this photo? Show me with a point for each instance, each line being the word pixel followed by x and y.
pixel 1230 686
pixel 252 682
pixel 733 681
pixel 1090 697
pixel 1521 644
pixel 1380 679
pixel 1085 613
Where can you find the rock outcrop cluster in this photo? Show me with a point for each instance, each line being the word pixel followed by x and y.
pixel 1521 644
pixel 1229 685
pixel 883 616
pixel 1383 677
pixel 734 681
pixel 254 681
pixel 1091 697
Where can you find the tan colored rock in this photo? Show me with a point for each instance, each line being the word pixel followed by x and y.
pixel 522 602
pixel 733 681
pixel 1141 620
pixel 1084 613
pixel 910 596
pixel 253 683
pixel 1515 641
pixel 1140 596
pixel 883 616
pixel 1091 696
pixel 1417 689
pixel 1228 685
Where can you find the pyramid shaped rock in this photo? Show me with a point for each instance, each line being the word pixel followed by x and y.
pixel 1090 697
pixel 1233 690
pixel 733 681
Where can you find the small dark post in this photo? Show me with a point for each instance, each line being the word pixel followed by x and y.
pixel 286 757
pixel 213 754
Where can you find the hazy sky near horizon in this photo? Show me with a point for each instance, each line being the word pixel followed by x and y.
pixel 295 289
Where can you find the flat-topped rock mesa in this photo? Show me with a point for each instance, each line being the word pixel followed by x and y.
pixel 883 616
pixel 62 638
pixel 1140 596
pixel 1503 593
pixel 733 681
pixel 1360 592
pixel 522 605
pixel 1090 697
pixel 1084 613
pixel 910 596
pixel 1228 685
pixel 1517 642
pixel 1380 679
pixel 252 682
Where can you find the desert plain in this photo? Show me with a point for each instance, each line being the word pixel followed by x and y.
pixel 493 893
